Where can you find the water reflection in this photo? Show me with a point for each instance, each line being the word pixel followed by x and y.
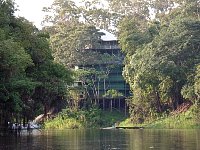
pixel 103 140
pixel 164 139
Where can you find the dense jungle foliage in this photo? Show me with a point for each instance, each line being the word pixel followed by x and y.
pixel 162 58
pixel 30 81
pixel 160 41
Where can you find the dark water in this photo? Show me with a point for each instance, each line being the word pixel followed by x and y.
pixel 103 140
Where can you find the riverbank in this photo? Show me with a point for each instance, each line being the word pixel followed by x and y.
pixel 186 120
pixel 94 118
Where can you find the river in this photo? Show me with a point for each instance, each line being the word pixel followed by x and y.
pixel 95 139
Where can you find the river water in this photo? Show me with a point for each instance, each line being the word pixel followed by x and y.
pixel 95 139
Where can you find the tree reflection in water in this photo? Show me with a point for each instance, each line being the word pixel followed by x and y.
pixel 95 139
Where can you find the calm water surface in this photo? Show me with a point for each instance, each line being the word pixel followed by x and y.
pixel 103 140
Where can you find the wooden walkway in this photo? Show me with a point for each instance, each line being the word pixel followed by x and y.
pixel 129 127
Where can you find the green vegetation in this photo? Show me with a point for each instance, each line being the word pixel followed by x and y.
pixel 63 123
pixel 96 118
pixel 162 54
pixel 31 83
pixel 161 65
pixel 162 58
pixel 186 120
pixel 92 118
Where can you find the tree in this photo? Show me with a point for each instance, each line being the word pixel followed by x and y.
pixel 14 62
pixel 159 65
pixel 53 79
pixel 112 95
pixel 70 44
pixel 70 36
pixel 26 59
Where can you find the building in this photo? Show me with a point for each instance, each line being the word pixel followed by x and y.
pixel 112 78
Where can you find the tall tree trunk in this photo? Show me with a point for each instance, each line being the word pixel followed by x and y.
pixel 173 103
pixel 103 104
pixel 159 107
pixel 111 105
pixel 125 108
pixel 24 120
pixel 45 110
pixel 119 104
pixel 98 92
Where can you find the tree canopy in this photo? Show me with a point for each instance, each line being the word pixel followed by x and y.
pixel 27 68
pixel 162 55
pixel 160 41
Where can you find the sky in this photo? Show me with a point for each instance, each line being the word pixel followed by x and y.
pixel 32 10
